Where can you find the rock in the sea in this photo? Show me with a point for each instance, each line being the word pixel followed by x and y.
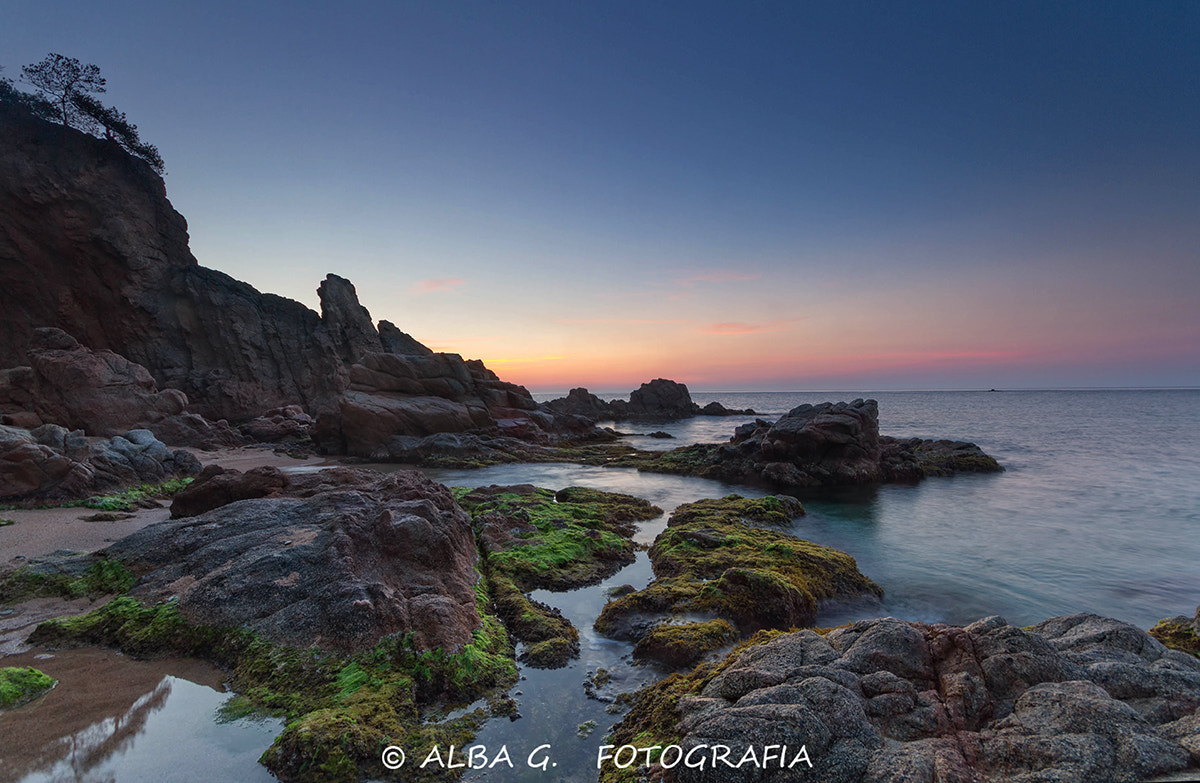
pixel 51 463
pixel 657 400
pixel 822 445
pixel 1078 698
pixel 718 561
pixel 338 559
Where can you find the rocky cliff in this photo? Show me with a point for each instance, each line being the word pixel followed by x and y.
pixel 90 245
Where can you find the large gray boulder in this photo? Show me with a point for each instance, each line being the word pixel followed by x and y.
pixel 1078 698
pixel 337 559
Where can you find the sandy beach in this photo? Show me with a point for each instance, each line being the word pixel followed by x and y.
pixel 38 532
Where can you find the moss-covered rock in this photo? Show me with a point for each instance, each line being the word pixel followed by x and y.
pixel 342 709
pixel 711 562
pixel 573 538
pixel 19 685
pixel 684 644
pixel 535 538
pixel 654 716
pixel 1178 633
pixel 72 576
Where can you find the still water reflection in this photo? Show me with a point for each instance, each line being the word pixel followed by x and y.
pixel 115 720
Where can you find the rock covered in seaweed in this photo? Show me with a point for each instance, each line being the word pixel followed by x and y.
pixel 1072 698
pixel 537 538
pixel 710 564
pixel 338 559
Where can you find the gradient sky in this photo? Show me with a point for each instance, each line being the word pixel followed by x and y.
pixel 835 195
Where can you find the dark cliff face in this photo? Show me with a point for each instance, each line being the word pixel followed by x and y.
pixel 85 231
pixel 90 244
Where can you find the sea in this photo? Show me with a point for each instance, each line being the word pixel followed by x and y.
pixel 1097 510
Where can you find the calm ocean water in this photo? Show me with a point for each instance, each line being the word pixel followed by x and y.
pixel 1098 510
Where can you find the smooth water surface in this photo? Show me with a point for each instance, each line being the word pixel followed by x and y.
pixel 114 720
pixel 1098 511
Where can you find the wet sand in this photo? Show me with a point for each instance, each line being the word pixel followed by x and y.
pixel 38 532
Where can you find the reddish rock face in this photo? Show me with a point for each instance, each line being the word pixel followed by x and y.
pixel 338 559
pixel 99 392
pixel 89 244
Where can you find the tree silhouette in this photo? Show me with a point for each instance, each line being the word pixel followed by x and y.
pixel 65 88
pixel 119 129
pixel 35 104
pixel 61 79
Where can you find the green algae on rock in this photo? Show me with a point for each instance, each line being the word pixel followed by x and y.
pixel 1178 633
pixel 342 709
pixel 710 563
pixel 533 538
pixel 73 576
pixel 21 685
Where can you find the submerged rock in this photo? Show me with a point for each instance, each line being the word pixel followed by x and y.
pixel 1073 698
pixel 337 559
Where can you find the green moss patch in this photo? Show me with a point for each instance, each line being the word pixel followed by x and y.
pixel 21 685
pixel 684 644
pixel 710 562
pixel 104 577
pixel 534 538
pixel 342 710
pixel 573 538
pixel 132 498
pixel 1178 635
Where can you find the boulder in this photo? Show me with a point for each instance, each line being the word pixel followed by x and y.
pixel 829 444
pixel 51 463
pixel 1073 698
pixel 100 392
pixel 289 424
pixel 338 559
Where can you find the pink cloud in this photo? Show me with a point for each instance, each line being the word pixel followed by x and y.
pixel 437 284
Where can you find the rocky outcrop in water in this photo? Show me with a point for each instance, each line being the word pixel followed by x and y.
pixel 1073 698
pixel 721 572
pixel 336 559
pixel 830 444
pixel 658 400
pixel 51 463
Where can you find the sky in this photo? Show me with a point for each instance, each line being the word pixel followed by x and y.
pixel 737 195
